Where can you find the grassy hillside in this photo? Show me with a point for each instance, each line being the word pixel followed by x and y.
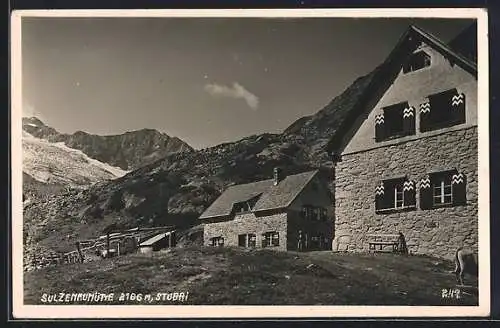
pixel 257 277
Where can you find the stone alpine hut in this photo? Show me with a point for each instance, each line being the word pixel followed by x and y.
pixel 284 213
pixel 407 154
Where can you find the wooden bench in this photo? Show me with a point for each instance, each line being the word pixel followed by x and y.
pixel 383 243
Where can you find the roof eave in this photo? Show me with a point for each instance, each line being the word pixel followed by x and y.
pixel 468 64
pixel 218 216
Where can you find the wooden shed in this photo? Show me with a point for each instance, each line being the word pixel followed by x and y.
pixel 158 242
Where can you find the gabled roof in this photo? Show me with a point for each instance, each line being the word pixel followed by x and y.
pixel 271 196
pixel 151 241
pixel 466 63
pixel 388 71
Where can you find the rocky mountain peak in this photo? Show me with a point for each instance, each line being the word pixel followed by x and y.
pixel 129 150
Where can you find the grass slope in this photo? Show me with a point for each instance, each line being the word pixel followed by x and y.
pixel 249 277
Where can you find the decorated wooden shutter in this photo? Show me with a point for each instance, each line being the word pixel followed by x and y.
pixel 425 116
pixel 409 120
pixel 409 193
pixel 458 189
pixel 458 107
pixel 379 127
pixel 379 197
pixel 425 193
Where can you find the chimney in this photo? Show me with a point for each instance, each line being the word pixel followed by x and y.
pixel 278 175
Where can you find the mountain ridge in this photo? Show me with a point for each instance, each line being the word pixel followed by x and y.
pixel 128 150
pixel 57 164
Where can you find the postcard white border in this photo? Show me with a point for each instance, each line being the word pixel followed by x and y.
pixel 22 311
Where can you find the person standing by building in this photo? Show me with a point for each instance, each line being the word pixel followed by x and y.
pixel 300 242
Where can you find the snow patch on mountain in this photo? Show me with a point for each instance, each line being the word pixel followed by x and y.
pixel 57 163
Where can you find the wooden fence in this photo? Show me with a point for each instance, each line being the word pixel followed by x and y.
pixel 100 245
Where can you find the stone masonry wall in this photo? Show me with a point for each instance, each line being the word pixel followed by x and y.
pixel 435 232
pixel 245 224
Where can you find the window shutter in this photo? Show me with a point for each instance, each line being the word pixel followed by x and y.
pixel 409 120
pixel 425 116
pixel 458 187
pixel 425 193
pixel 379 197
pixel 458 106
pixel 379 127
pixel 409 193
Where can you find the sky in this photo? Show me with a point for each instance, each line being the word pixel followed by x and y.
pixel 204 80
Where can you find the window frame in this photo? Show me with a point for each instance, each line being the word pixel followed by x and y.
pixel 314 213
pixel 270 238
pixel 399 197
pixel 248 238
pixel 441 179
pixel 395 187
pixel 441 187
pixel 215 241
pixel 241 208
pixel 408 67
pixel 457 182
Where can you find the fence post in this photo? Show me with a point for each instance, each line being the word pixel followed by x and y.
pixel 107 243
pixel 79 251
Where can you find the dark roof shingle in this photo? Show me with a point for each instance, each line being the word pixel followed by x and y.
pixel 272 197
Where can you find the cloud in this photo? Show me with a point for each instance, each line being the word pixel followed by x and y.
pixel 29 110
pixel 236 91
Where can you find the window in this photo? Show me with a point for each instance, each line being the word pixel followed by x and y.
pixel 271 239
pixel 442 191
pixel 446 188
pixel 315 242
pixel 310 212
pixel 323 214
pixel 395 194
pixel 217 241
pixel 247 240
pixel 307 211
pixel 246 205
pixel 396 121
pixel 241 207
pixel 242 242
pixel 443 110
pixel 252 240
pixel 417 61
